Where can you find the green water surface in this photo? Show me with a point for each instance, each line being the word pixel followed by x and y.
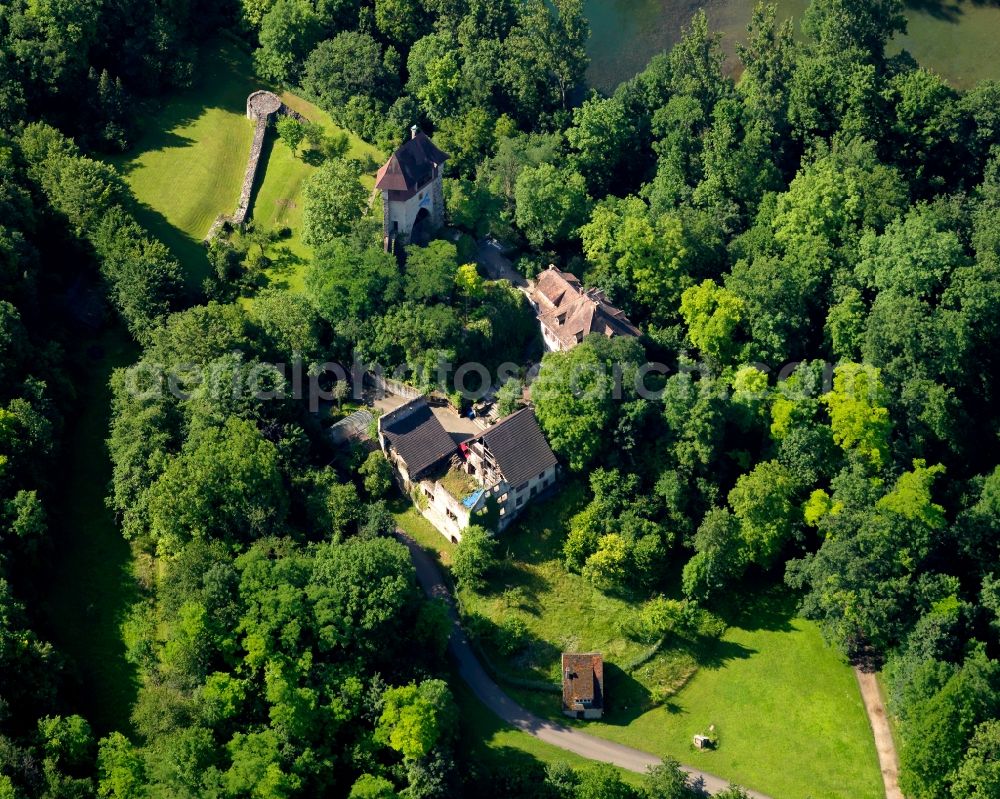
pixel 960 39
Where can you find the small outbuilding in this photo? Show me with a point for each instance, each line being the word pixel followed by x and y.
pixel 583 685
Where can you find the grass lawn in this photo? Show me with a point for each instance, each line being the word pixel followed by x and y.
pixel 188 165
pixel 562 611
pixel 788 713
pixel 91 582
pixel 487 740
pixel 959 39
pixel 787 710
pixel 278 203
pixel 409 520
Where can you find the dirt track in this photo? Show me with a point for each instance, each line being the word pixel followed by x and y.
pixel 887 759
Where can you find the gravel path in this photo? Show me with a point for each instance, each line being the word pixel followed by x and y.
pixel 887 758
pixel 491 695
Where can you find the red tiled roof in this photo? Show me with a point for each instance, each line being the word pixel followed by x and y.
pixel 411 166
pixel 583 681
pixel 572 313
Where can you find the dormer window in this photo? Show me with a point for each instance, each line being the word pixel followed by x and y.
pixel 561 319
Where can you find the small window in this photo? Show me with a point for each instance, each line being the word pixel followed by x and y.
pixel 502 499
pixel 534 490
pixel 520 501
pixel 541 476
pixel 579 338
pixel 523 486
pixel 561 319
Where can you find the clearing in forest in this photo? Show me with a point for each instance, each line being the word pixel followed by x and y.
pixel 187 166
pixel 786 708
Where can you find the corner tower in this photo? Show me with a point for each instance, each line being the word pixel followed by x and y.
pixel 412 195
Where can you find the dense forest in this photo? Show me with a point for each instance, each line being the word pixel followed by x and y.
pixel 812 249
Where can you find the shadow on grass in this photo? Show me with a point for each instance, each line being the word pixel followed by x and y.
pixel 161 140
pixel 948 11
pixel 91 585
pixel 499 771
pixel 523 586
pixel 312 157
pixel 716 653
pixel 266 148
pixel 626 697
pixel 759 607
pixel 539 534
pixel 505 772
pixel 224 73
pixel 191 254
pixel 283 263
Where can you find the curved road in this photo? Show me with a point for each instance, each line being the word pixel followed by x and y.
pixel 491 695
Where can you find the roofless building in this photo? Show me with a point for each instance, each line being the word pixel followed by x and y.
pixel 487 479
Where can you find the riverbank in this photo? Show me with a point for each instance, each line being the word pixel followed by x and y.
pixel 959 39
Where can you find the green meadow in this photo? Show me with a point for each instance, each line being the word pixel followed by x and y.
pixel 785 706
pixel 187 166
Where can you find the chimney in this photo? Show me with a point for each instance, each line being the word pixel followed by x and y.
pixel 413 131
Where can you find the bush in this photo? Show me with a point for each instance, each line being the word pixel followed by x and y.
pixel 377 474
pixel 510 636
pixel 474 557
pixel 655 619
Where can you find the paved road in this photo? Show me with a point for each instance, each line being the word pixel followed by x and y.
pixel 491 695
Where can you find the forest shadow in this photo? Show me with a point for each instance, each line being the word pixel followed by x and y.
pixel 758 607
pixel 715 653
pixel 224 80
pixel 948 11
pixel 91 585
pixel 283 263
pixel 190 253
pixel 162 139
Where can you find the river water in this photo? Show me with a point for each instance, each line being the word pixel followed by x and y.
pixel 960 39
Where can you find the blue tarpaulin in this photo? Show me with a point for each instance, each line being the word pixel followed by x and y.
pixel 471 500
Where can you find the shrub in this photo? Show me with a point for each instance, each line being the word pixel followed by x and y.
pixel 655 619
pixel 474 556
pixel 510 636
pixel 377 474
